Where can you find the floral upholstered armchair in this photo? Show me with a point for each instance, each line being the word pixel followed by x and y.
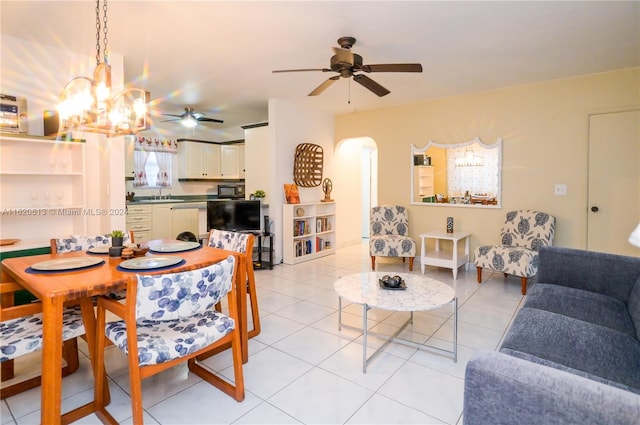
pixel 390 234
pixel 523 234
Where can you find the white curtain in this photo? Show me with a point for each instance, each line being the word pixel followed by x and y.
pixel 162 149
pixel 140 162
pixel 471 169
pixel 164 172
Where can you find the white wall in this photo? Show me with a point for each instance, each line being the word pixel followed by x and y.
pixel 290 125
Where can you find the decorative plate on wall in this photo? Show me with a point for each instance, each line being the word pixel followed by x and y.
pixel 307 166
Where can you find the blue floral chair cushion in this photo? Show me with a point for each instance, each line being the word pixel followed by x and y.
pixel 175 314
pixel 82 243
pixel 24 335
pixel 523 234
pixel 389 237
pixel 230 241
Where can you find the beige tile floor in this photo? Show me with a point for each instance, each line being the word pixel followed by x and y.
pixel 301 369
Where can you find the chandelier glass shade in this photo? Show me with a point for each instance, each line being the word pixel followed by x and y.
pixel 87 104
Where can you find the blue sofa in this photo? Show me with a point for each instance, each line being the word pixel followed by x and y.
pixel 572 352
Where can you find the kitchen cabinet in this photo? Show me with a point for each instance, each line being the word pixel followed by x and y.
pixel 43 187
pixel 184 220
pixel 197 160
pixel 168 222
pixel 229 162
pixel 139 220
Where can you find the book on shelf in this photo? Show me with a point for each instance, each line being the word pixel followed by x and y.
pixel 300 228
pixel 322 225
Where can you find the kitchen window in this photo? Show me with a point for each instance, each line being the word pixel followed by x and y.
pixel 153 160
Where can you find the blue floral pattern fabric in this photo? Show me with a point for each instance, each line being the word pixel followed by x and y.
pixel 389 226
pixel 230 241
pixel 523 234
pixel 175 313
pixel 82 243
pixel 24 335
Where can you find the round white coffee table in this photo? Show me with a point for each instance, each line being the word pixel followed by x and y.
pixel 421 293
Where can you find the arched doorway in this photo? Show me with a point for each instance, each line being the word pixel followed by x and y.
pixel 357 165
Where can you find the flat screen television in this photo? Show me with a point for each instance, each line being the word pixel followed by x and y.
pixel 233 215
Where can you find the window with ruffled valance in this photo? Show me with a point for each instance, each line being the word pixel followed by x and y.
pixel 153 158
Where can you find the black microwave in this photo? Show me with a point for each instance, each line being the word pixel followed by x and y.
pixel 230 192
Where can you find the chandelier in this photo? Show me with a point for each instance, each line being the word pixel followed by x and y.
pixel 469 159
pixel 86 104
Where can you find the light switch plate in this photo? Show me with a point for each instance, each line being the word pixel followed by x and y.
pixel 560 189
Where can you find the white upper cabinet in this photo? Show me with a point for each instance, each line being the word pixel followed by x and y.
pixel 201 160
pixel 230 161
pixel 198 160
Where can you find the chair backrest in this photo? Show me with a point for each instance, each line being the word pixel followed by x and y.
pixel 231 241
pixel 82 243
pixel 389 220
pixel 528 229
pixel 172 296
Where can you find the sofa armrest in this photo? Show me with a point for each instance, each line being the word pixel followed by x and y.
pixel 501 389
pixel 607 274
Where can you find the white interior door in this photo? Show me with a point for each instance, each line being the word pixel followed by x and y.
pixel 614 181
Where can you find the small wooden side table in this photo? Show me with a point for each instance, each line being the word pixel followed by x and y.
pixel 448 259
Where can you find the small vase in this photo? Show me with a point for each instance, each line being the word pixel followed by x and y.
pixel 117 241
pixel 449 224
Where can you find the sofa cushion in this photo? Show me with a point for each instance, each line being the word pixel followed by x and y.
pixel 594 349
pixel 634 306
pixel 584 305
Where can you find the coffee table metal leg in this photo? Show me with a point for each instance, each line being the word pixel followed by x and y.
pixel 365 308
pixel 455 329
pixel 339 313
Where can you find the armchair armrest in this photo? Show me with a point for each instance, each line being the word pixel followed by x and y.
pixel 607 274
pixel 501 389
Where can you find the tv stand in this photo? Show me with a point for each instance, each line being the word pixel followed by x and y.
pixel 261 238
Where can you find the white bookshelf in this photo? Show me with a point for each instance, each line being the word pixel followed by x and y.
pixel 309 231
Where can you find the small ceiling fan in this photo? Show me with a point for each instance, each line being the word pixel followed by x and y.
pixel 346 63
pixel 191 119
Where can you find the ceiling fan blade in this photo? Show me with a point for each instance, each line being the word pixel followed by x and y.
pixel 205 119
pixel 322 87
pixel 343 55
pixel 393 67
pixel 173 115
pixel 177 119
pixel 371 85
pixel 301 70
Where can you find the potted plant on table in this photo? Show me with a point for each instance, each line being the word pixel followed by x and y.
pixel 259 194
pixel 117 238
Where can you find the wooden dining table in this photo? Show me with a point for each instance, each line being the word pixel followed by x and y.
pixel 55 289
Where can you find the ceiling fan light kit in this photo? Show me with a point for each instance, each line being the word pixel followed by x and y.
pixel 346 64
pixel 190 119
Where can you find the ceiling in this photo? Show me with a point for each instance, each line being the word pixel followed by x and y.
pixel 217 56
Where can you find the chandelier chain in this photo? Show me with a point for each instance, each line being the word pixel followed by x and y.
pixel 97 32
pixel 106 40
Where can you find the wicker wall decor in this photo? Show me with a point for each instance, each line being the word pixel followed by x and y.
pixel 307 166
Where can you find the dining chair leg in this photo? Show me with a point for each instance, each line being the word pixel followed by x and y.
pixel 251 290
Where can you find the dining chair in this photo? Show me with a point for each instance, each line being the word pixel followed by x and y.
pixel 82 243
pixel 242 243
pixel 168 319
pixel 21 334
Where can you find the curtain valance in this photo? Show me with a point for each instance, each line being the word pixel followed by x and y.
pixel 156 144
